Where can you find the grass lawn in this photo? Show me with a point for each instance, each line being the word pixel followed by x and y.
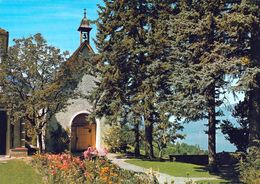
pixel 213 182
pixel 18 172
pixel 173 168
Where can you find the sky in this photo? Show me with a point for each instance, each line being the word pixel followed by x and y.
pixel 58 21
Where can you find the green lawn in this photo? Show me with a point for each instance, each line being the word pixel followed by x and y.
pixel 18 172
pixel 173 168
pixel 213 182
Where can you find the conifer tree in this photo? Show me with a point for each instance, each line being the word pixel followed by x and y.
pixel 200 61
pixel 242 25
pixel 214 40
pixel 130 62
pixel 238 135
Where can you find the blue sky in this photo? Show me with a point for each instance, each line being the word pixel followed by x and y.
pixel 57 20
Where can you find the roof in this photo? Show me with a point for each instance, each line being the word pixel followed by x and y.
pixel 84 24
pixel 80 50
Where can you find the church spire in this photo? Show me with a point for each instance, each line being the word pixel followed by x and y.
pixel 84 29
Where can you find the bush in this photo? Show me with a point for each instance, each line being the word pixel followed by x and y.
pixel 117 138
pixel 66 169
pixel 60 139
pixel 250 167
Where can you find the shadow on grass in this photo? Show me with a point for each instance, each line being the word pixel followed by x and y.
pixel 227 173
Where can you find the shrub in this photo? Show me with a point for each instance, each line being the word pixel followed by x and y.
pixel 64 168
pixel 60 139
pixel 250 167
pixel 117 138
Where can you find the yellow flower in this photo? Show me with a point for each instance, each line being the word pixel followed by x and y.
pixel 245 60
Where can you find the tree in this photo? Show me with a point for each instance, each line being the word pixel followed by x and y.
pixel 37 82
pixel 130 71
pixel 201 61
pixel 214 42
pixel 249 168
pixel 165 133
pixel 239 136
pixel 118 138
pixel 245 40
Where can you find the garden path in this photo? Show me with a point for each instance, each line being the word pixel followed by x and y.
pixel 4 158
pixel 162 178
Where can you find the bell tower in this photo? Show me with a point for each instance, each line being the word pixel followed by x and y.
pixel 84 29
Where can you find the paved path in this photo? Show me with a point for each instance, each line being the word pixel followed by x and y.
pixel 163 178
pixel 4 158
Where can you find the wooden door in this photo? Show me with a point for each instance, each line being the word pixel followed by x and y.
pixel 86 136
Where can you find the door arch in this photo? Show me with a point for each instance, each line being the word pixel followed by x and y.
pixel 83 133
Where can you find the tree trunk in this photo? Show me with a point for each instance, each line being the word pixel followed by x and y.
pixel 149 138
pixel 39 140
pixel 254 94
pixel 160 152
pixel 254 114
pixel 211 127
pixel 137 139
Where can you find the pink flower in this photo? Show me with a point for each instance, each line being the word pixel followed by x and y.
pixel 90 153
pixel 102 152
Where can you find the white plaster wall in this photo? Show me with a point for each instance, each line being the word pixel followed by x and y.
pixel 76 107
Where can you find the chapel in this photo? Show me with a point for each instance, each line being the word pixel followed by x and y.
pixel 70 124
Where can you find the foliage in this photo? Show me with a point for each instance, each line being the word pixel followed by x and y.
pixel 184 149
pixel 131 62
pixel 31 136
pixel 176 149
pixel 65 168
pixel 214 42
pixel 18 171
pixel 242 24
pixel 250 167
pixel 60 139
pixel 239 136
pixel 165 132
pixel 117 138
pixel 36 82
pixel 200 58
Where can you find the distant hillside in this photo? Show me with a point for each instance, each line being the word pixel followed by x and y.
pixel 195 134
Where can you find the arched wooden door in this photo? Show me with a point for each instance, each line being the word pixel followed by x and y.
pixel 83 133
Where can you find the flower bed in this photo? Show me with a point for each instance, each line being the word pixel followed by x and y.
pixel 67 169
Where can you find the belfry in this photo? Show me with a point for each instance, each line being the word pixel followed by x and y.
pixel 84 29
